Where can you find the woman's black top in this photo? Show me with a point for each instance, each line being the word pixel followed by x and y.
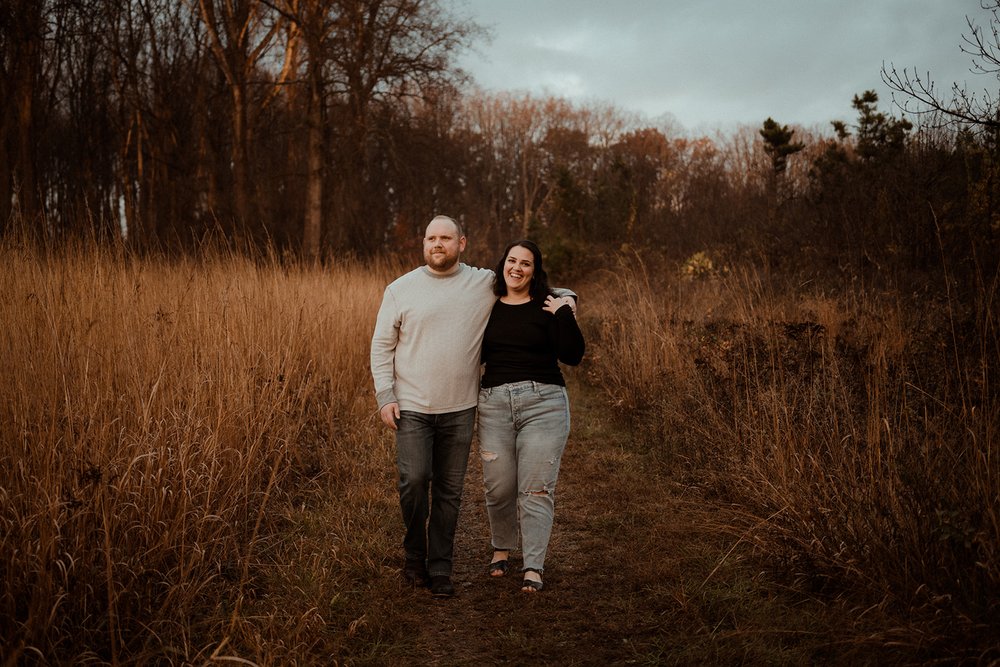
pixel 524 342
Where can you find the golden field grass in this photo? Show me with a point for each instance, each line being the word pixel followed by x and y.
pixel 193 472
pixel 856 431
pixel 156 415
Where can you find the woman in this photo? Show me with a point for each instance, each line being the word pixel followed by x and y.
pixel 523 408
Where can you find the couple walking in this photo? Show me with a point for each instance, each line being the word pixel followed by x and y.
pixel 437 324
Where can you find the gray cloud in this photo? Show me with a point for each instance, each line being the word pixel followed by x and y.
pixel 719 64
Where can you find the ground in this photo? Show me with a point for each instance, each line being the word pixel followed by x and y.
pixel 641 570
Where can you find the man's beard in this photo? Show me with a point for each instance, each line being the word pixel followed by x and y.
pixel 441 263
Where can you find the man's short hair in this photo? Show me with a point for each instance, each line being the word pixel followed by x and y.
pixel 458 227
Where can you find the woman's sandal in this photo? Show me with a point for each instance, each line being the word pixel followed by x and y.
pixel 530 585
pixel 498 568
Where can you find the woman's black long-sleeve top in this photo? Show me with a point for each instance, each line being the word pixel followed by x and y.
pixel 525 342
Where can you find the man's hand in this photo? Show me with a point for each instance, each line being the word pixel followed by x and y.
pixel 390 415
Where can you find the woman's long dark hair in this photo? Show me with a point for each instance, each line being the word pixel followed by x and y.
pixel 539 288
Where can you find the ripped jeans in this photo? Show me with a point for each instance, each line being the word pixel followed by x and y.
pixel 523 427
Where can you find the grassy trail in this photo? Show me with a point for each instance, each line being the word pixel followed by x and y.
pixel 640 571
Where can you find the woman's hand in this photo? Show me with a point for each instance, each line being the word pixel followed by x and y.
pixel 554 303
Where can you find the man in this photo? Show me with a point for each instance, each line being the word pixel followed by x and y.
pixel 425 364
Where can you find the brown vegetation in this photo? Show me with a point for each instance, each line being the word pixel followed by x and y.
pixel 855 427
pixel 758 472
pixel 785 441
pixel 158 418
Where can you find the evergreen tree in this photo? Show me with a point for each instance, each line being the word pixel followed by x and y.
pixel 878 135
pixel 778 144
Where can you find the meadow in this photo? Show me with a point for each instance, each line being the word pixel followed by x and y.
pixel 853 425
pixel 192 471
pixel 161 422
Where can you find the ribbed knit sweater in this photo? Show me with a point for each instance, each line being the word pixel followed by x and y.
pixel 428 335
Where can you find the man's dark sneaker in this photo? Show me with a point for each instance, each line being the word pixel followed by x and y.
pixel 415 573
pixel 441 586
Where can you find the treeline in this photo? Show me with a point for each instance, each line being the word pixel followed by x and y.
pixel 341 126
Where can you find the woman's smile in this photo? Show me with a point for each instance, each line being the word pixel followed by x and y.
pixel 518 270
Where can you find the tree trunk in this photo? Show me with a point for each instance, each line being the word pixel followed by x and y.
pixel 312 227
pixel 240 153
pixel 6 183
pixel 25 77
pixel 127 192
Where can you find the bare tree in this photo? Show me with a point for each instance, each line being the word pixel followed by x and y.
pixel 7 117
pixel 23 35
pixel 361 58
pixel 158 77
pixel 922 96
pixel 383 51
pixel 521 137
pixel 240 33
pixel 310 23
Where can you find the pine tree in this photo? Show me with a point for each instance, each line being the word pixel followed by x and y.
pixel 778 144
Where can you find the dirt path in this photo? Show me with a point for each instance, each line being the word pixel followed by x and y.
pixel 640 571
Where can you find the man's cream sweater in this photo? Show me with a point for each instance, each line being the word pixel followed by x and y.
pixel 426 346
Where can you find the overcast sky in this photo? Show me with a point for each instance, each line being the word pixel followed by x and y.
pixel 715 64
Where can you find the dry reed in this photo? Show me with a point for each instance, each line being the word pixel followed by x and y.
pixel 192 468
pixel 154 414
pixel 857 431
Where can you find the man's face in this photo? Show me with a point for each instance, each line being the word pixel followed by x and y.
pixel 442 246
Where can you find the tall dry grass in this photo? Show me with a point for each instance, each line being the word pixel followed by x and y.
pixel 191 465
pixel 858 430
pixel 158 418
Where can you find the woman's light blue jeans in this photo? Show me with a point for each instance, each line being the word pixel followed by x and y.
pixel 523 427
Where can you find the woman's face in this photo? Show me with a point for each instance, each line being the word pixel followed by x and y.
pixel 518 269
